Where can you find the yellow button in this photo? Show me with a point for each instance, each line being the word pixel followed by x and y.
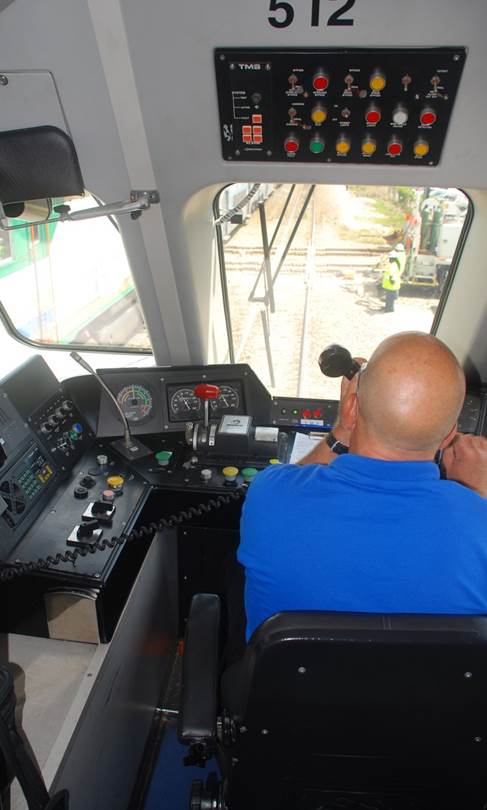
pixel 377 81
pixel 274 461
pixel 115 481
pixel 318 115
pixel 343 146
pixel 230 472
pixel 369 147
pixel 421 148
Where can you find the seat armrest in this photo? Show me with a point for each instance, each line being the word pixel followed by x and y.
pixel 199 693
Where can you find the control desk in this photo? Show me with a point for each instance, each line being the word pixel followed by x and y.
pixel 67 494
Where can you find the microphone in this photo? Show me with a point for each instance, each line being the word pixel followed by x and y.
pixel 126 446
pixel 336 361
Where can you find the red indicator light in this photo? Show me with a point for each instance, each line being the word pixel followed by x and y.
pixel 427 117
pixel 291 145
pixel 246 130
pixel 373 116
pixel 257 119
pixel 394 148
pixel 320 81
pixel 306 413
pixel 257 131
pixel 317 413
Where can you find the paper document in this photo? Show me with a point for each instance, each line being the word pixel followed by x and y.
pixel 303 444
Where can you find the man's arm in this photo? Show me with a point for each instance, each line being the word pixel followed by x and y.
pixel 465 461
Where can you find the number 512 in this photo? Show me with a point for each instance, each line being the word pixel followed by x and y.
pixel 336 18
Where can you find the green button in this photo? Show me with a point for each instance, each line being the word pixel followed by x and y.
pixel 248 474
pixel 163 457
pixel 317 146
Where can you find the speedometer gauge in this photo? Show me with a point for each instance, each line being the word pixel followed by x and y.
pixel 228 399
pixel 136 402
pixel 184 404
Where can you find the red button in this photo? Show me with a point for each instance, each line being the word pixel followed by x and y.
pixel 317 413
pixel 247 138
pixel 291 145
pixel 373 116
pixel 427 117
pixel 246 130
pixel 306 413
pixel 257 119
pixel 320 82
pixel 257 131
pixel 394 148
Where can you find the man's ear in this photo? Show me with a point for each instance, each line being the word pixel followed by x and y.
pixel 349 411
pixel 448 439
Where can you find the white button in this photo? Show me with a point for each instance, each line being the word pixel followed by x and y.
pixel 400 115
pixel 206 474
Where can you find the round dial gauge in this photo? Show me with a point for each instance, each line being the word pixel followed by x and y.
pixel 228 399
pixel 184 402
pixel 136 402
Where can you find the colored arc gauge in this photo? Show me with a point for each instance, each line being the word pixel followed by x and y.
pixel 136 402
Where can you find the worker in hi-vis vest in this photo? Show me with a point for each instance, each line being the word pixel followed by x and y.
pixel 391 277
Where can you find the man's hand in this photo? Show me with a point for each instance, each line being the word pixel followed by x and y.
pixel 465 461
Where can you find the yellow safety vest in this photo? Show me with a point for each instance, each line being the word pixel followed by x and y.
pixel 391 277
pixel 398 258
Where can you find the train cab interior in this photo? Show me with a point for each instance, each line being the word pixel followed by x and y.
pixel 200 204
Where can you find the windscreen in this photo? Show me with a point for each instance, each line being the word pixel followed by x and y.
pixel 304 266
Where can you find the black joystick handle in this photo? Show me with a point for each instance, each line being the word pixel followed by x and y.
pixel 336 361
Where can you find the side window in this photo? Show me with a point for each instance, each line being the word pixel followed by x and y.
pixel 69 283
pixel 304 266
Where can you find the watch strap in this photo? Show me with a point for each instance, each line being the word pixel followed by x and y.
pixel 335 445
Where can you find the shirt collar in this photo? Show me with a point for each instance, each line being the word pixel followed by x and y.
pixel 350 465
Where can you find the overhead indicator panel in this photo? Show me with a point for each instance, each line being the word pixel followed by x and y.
pixel 318 106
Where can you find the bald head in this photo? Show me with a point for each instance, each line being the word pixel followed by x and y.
pixel 410 395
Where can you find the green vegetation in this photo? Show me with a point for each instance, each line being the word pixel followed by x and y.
pixel 388 214
pixel 389 203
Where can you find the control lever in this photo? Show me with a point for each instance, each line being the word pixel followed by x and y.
pixel 100 511
pixel 336 361
pixel 86 534
pixel 205 392
pixel 86 529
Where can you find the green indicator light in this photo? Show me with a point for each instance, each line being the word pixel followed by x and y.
pixel 317 146
pixel 295 412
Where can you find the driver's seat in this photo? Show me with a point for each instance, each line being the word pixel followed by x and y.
pixel 330 711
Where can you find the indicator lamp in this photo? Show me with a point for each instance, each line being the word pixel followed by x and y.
pixel 377 81
pixel 317 146
pixel 421 148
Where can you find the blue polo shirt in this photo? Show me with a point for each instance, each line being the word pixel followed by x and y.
pixel 362 535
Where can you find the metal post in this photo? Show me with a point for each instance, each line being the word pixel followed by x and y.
pixel 274 235
pixel 266 332
pixel 269 296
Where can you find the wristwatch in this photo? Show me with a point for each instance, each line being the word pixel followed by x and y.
pixel 335 445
